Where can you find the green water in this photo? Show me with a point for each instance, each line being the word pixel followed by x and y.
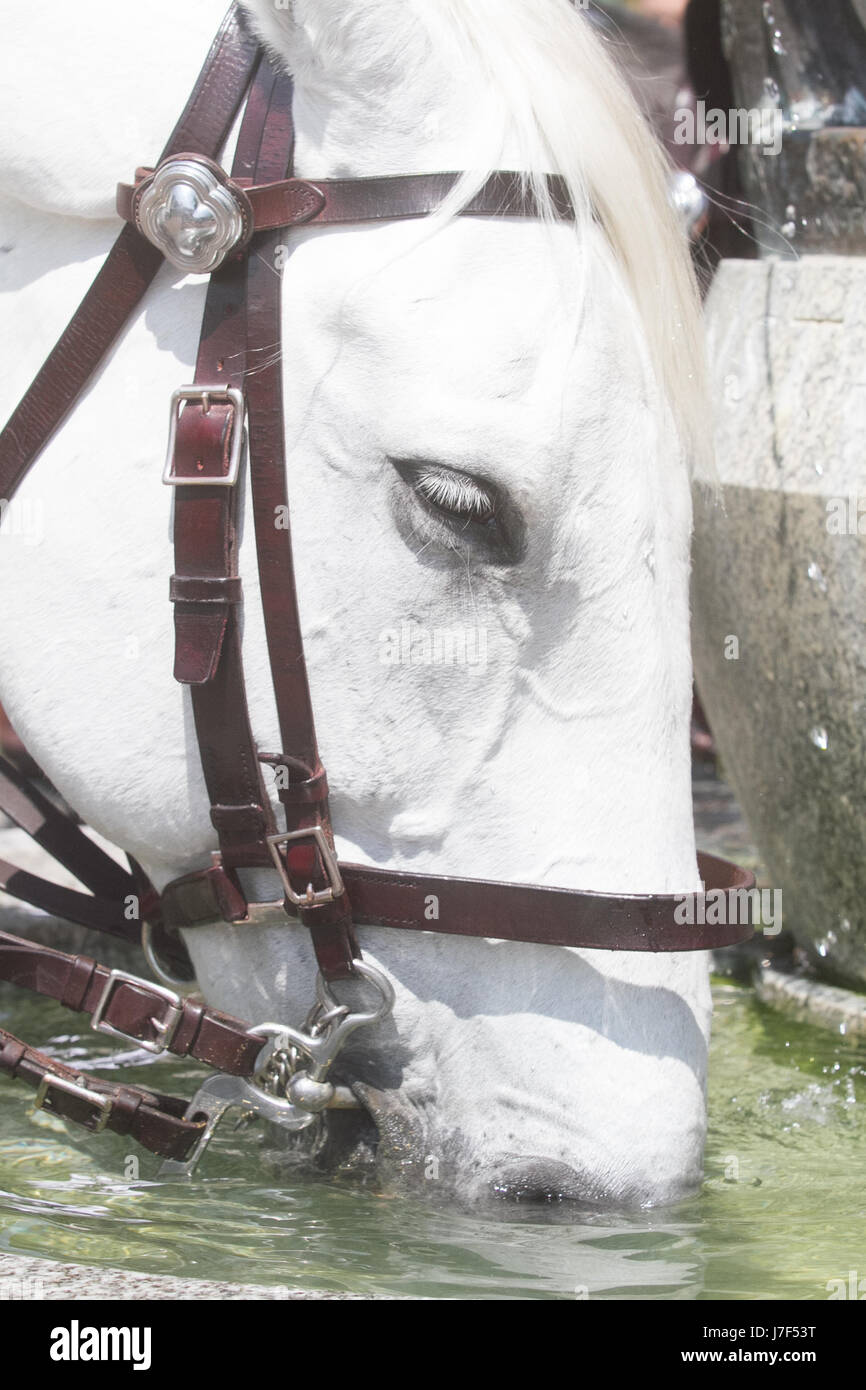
pixel 782 1210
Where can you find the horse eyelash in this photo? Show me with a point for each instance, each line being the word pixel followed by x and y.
pixel 454 492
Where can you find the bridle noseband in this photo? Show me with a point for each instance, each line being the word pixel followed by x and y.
pixel 202 219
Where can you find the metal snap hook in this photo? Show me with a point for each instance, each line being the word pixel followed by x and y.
pixel 307 1092
pixel 327 1000
pixel 326 1029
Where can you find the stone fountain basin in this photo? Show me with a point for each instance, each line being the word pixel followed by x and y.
pixel 779 585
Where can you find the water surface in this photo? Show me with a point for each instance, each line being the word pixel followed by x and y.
pixel 782 1210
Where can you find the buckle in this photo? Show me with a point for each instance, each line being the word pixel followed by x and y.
pixel 312 897
pixel 205 396
pixel 51 1081
pixel 166 1027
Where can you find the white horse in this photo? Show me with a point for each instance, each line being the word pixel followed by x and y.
pixel 430 372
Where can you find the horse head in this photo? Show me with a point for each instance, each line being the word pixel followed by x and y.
pixel 489 424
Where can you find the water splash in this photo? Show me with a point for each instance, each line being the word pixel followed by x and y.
pixel 814 1104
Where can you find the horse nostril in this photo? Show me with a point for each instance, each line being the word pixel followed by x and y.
pixel 536 1180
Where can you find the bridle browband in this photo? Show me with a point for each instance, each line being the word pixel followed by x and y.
pixel 326 203
pixel 189 210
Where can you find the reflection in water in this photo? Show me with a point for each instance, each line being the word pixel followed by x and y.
pixel 780 1213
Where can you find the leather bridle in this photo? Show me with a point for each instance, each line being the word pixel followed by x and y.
pixel 245 213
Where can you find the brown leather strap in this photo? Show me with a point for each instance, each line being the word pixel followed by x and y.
pixel 304 799
pixel 154 1120
pixel 329 202
pixel 107 907
pixel 100 914
pixel 60 836
pixel 205 588
pixel 132 1007
pixel 129 267
pixel 138 1011
pixel 518 911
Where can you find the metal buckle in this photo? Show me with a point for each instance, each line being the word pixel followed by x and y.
pixel 263 914
pixel 312 897
pixel 206 395
pixel 166 1028
pixel 71 1088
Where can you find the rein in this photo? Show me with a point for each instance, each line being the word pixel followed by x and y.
pixel 191 212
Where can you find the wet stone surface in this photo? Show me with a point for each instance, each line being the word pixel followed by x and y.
pixel 22 1278
pixel 779 587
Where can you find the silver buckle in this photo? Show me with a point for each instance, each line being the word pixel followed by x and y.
pixel 166 1028
pixel 206 395
pixel 311 898
pixel 71 1088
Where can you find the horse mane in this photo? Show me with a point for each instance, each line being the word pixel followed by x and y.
pixel 560 104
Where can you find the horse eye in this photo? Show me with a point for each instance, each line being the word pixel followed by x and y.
pixel 476 512
pixel 456 493
pixel 450 491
